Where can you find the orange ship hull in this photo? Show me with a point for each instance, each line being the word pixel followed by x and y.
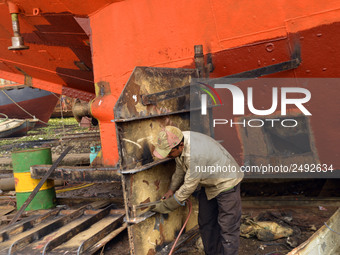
pixel 106 52
pixel 107 39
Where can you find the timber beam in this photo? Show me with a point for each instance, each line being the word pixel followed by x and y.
pixel 78 174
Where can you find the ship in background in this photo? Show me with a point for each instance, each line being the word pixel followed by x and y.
pixel 23 102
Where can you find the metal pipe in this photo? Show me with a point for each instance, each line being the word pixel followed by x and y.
pixel 80 110
pixel 202 69
pixel 199 61
pixel 17 39
pixel 7 184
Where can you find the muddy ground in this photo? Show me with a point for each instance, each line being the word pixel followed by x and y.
pixel 304 220
pixel 57 136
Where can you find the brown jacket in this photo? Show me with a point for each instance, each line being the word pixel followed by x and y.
pixel 203 161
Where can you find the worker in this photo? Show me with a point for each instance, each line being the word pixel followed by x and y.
pixel 219 197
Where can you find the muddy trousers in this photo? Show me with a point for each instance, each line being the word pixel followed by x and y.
pixel 219 222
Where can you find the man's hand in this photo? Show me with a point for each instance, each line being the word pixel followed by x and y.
pixel 168 194
pixel 167 205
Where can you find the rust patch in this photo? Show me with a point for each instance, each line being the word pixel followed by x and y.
pixel 103 88
pixel 49 238
pixel 151 252
pixel 161 232
pixel 145 201
pixel 157 182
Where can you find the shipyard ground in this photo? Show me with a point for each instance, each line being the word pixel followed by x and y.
pixel 307 204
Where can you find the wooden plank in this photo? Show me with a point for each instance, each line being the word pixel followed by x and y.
pixel 79 173
pixel 76 230
pixel 47 229
pixel 26 224
pixel 90 236
pixel 5 209
pixel 99 235
pixel 105 240
pixel 82 200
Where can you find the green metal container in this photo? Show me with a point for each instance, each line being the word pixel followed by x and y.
pixel 24 184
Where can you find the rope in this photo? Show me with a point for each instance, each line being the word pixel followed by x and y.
pixel 22 108
pixel 6 117
pixel 62 115
pixel 55 95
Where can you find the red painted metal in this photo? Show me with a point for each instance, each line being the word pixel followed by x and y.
pixel 241 35
pixel 102 109
pixel 56 42
pixel 13 8
pixel 72 6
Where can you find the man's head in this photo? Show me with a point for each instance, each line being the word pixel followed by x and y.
pixel 169 143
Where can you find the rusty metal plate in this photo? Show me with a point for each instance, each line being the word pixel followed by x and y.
pixel 152 99
pixel 149 80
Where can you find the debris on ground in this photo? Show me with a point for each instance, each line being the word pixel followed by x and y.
pixel 268 223
pixel 321 208
pixel 303 224
pixel 264 230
